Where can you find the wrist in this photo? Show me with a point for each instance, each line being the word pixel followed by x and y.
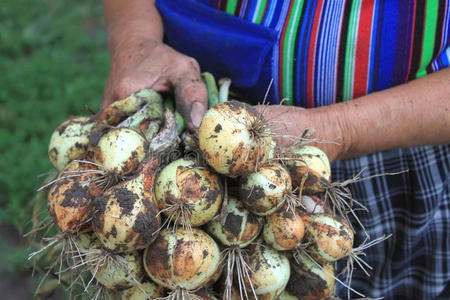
pixel 333 125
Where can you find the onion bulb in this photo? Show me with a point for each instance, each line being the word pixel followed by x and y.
pixel 270 272
pixel 144 291
pixel 188 193
pixel 265 190
pixel 284 230
pixel 120 151
pixel 117 272
pixel 331 237
pixel 240 227
pixel 70 197
pixel 183 259
pixel 310 280
pixel 310 169
pixel 69 141
pixel 234 138
pixel 124 218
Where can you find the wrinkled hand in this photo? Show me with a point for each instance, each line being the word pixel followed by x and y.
pixel 323 123
pixel 151 64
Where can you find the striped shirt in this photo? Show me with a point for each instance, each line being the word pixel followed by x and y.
pixel 332 51
pixel 321 52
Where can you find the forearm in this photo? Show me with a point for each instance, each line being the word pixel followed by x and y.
pixel 128 21
pixel 412 114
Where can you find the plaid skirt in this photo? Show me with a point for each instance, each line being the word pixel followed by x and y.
pixel 415 208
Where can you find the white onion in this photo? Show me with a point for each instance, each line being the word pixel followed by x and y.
pixel 119 272
pixel 331 237
pixel 284 230
pixel 234 138
pixel 70 198
pixel 183 259
pixel 69 141
pixel 310 169
pixel 120 151
pixel 187 192
pixel 310 280
pixel 240 227
pixel 270 272
pixel 124 218
pixel 264 191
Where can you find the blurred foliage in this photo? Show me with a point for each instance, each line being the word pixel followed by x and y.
pixel 53 64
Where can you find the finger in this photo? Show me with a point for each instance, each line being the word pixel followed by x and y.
pixel 191 97
pixel 107 95
pixel 131 84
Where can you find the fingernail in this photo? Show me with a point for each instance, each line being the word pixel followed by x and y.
pixel 197 112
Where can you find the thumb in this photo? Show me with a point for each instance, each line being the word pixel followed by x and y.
pixel 191 97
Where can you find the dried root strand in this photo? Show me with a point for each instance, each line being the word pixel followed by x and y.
pixel 177 213
pixel 338 194
pixel 236 260
pixel 180 294
pixel 64 247
pixel 356 257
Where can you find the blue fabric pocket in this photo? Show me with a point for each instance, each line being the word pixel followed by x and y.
pixel 222 44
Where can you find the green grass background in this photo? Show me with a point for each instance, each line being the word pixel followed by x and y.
pixel 53 63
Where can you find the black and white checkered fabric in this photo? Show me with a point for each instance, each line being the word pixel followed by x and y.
pixel 415 207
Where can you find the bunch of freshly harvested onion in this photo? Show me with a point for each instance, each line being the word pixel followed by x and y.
pixel 123 188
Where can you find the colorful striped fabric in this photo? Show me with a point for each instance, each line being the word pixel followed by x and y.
pixel 332 51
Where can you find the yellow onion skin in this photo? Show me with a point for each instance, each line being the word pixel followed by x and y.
pixel 283 230
pixel 125 217
pixel 120 273
pixel 310 282
pixel 312 169
pixel 180 258
pixel 264 191
pixel 70 141
pixel 270 272
pixel 228 141
pixel 240 227
pixel 147 290
pixel 182 181
pixel 69 200
pixel 120 150
pixel 331 237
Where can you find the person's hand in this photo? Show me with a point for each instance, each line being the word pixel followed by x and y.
pixel 151 64
pixel 287 122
